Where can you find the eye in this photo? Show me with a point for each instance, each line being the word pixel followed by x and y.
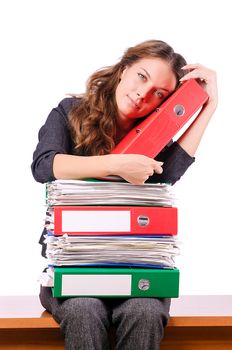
pixel 142 76
pixel 159 94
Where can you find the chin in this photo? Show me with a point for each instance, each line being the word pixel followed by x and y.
pixel 134 116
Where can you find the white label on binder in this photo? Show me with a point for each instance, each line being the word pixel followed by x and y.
pixel 95 221
pixel 95 285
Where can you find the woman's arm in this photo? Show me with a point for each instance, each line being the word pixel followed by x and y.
pixel 54 159
pixel 134 168
pixel 191 138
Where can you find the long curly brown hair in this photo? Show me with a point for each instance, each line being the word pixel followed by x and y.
pixel 93 120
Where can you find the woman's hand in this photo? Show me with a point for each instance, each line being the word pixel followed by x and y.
pixel 207 78
pixel 191 138
pixel 134 168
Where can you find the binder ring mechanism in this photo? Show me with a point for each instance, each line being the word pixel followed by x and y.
pixel 179 110
pixel 144 284
pixel 143 220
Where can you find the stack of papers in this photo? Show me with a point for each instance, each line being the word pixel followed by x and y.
pixel 157 251
pixel 79 192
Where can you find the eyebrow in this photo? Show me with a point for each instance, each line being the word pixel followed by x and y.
pixel 150 78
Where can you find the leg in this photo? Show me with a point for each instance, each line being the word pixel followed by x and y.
pixel 83 321
pixel 140 323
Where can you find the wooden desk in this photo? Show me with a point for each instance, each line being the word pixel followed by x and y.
pixel 197 322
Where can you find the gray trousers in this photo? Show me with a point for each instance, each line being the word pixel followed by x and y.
pixel 85 322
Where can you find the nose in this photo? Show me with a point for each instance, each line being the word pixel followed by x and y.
pixel 143 92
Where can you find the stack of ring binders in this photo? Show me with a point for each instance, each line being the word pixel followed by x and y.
pixel 108 239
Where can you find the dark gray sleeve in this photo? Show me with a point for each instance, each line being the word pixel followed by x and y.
pixel 54 137
pixel 176 162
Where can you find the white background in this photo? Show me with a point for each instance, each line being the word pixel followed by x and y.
pixel 48 49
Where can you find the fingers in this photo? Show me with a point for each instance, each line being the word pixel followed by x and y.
pixel 191 66
pixel 198 71
pixel 155 168
pixel 136 168
pixel 207 78
pixel 158 167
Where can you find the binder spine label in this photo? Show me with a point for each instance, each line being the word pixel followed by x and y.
pixel 96 221
pixel 94 285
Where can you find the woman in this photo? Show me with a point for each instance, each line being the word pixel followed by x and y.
pixel 75 143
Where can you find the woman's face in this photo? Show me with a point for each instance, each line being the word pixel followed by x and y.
pixel 143 87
